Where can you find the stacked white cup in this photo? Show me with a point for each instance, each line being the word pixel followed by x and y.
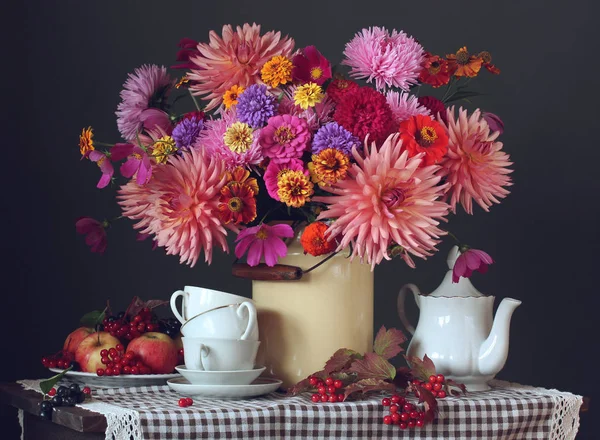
pixel 220 336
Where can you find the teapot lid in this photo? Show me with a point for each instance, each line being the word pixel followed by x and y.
pixel 463 288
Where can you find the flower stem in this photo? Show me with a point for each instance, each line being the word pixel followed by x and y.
pixel 454 237
pixel 195 100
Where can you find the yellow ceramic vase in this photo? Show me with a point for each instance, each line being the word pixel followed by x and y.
pixel 303 322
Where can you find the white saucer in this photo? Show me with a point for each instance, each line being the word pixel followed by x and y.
pixel 260 386
pixel 201 377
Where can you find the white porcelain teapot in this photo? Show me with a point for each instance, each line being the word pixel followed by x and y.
pixel 457 329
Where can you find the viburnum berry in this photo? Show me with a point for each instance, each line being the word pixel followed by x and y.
pixel 87 391
pixel 331 389
pixel 441 394
pixel 120 347
pixel 437 386
pixel 428 386
pixel 329 381
pixel 333 398
pixel 104 353
pixel 419 423
pixel 440 378
pixel 100 371
pixel 52 392
pixel 341 397
pixel 182 402
pixel 393 408
pixel 324 397
pixel 396 417
pixel 404 416
pixel 385 401
pixel 411 424
pixel 387 420
pixel 189 401
pixel 395 398
pixel 403 425
pixel 316 398
pixel 414 415
pixel 433 378
pixel 338 384
pixel 313 381
pixel 322 390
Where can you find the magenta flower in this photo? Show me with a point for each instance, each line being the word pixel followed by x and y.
pixel 468 261
pixel 311 66
pixel 274 170
pixel 263 240
pixel 137 163
pixel 493 121
pixel 284 137
pixel 94 231
pixel 105 166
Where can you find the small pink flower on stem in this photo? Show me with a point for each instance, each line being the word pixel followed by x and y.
pixel 263 240
pixel 468 261
pixel 138 163
pixel 94 231
pixel 105 166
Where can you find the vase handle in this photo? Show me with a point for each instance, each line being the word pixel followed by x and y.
pixel 401 299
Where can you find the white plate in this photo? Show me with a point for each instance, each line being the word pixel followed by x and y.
pixel 122 381
pixel 201 377
pixel 260 386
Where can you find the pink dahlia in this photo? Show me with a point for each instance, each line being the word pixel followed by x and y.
pixel 274 171
pixel 365 112
pixel 263 240
pixel 386 200
pixel 320 114
pixel 234 59
pixel 284 137
pixel 145 89
pixel 468 261
pixel 213 138
pixel 391 60
pixel 179 206
pixel 475 166
pixel 311 66
pixel 404 106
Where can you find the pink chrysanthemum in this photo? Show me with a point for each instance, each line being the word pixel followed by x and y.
pixel 275 169
pixel 404 106
pixel 234 59
pixel 180 206
pixel 284 137
pixel 212 138
pixel 144 90
pixel 475 166
pixel 386 200
pixel 320 114
pixel 391 60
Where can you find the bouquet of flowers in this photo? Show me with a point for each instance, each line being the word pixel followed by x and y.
pixel 361 152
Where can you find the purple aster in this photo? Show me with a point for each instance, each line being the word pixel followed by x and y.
pixel 145 88
pixel 255 106
pixel 333 135
pixel 185 133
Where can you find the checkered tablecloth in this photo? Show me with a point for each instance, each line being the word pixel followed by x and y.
pixel 508 411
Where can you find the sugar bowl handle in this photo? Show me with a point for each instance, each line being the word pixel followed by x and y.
pixel 401 300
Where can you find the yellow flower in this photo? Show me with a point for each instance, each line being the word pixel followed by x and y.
pixel 86 144
pixel 329 166
pixel 308 95
pixel 277 71
pixel 183 81
pixel 230 96
pixel 295 188
pixel 238 137
pixel 163 148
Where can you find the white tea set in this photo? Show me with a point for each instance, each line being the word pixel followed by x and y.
pixel 220 343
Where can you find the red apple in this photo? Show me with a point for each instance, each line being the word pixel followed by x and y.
pixel 87 354
pixel 75 337
pixel 156 350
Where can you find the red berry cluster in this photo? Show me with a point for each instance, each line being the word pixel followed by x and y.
pixel 435 385
pixel 329 390
pixel 402 413
pixel 61 360
pixel 126 331
pixel 118 363
pixel 185 401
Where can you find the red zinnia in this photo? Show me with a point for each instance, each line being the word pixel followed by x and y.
pixel 435 106
pixel 436 71
pixel 237 204
pixel 421 134
pixel 364 112
pixel 339 87
pixel 311 66
pixel 314 242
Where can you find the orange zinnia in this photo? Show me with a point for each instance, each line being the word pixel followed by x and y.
pixel 462 63
pixel 314 242
pixel 241 176
pixel 86 144
pixel 237 204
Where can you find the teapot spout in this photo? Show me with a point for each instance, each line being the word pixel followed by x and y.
pixel 494 350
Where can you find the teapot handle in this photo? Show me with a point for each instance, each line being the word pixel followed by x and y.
pixel 401 298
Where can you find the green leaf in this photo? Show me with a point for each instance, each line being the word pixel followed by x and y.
pixel 92 319
pixel 373 366
pixel 421 369
pixel 48 384
pixel 341 360
pixel 387 342
pixel 463 94
pixel 367 385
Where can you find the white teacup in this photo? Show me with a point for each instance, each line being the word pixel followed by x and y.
pixel 196 300
pixel 234 321
pixel 211 354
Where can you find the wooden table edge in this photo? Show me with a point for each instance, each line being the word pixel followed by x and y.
pixel 76 418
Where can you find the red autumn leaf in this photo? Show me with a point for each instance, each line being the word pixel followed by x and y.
pixel 304 385
pixel 367 385
pixel 137 304
pixel 454 388
pixel 387 342
pixel 403 377
pixel 429 402
pixel 421 369
pixel 341 360
pixel 373 366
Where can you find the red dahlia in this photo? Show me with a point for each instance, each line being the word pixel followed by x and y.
pixel 363 112
pixel 435 106
pixel 421 134
pixel 339 87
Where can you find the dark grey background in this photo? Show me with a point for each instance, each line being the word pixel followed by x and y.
pixel 64 64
